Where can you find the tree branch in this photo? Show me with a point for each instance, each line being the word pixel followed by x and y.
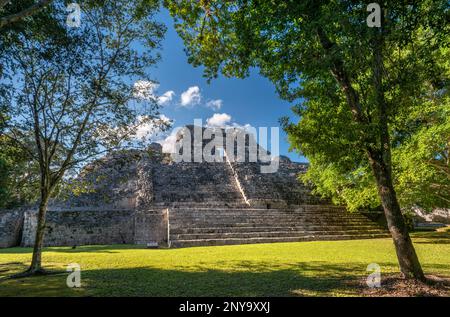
pixel 342 77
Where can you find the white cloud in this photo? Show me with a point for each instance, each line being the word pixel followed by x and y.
pixel 168 144
pixel 147 128
pixel 191 97
pixel 215 104
pixel 166 97
pixel 246 127
pixel 144 90
pixel 218 120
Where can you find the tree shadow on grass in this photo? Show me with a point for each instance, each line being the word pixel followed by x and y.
pixel 245 278
pixel 236 278
pixel 85 248
pixel 5 268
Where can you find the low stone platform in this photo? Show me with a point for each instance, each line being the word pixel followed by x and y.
pixel 195 224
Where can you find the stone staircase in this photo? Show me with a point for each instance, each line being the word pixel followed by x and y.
pixel 216 204
pixel 283 185
pixel 205 225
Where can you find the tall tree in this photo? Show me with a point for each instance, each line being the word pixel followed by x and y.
pixel 316 51
pixel 19 176
pixel 420 148
pixel 71 96
pixel 26 20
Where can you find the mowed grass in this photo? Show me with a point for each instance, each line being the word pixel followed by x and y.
pixel 322 268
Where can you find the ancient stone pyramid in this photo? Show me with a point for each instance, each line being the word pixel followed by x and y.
pixel 144 197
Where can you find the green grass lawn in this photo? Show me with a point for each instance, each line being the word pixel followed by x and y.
pixel 280 269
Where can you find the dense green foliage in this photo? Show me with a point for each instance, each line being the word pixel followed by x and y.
pixel 40 25
pixel 66 64
pixel 19 176
pixel 66 92
pixel 349 82
pixel 420 144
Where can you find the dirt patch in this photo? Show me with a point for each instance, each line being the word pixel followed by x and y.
pixel 395 286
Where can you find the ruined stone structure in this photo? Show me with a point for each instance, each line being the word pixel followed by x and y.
pixel 144 197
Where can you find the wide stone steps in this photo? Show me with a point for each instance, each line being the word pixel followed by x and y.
pixel 237 229
pixel 231 241
pixel 270 216
pixel 215 204
pixel 248 227
pixel 202 226
pixel 272 234
pixel 285 224
pixel 204 207
pixel 213 210
pixel 264 212
pixel 264 219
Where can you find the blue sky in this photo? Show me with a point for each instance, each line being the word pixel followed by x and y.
pixel 251 101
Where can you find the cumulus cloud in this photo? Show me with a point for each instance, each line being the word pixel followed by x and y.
pixel 191 97
pixel 146 128
pixel 223 120
pixel 146 90
pixel 168 144
pixel 215 104
pixel 218 120
pixel 246 127
pixel 166 97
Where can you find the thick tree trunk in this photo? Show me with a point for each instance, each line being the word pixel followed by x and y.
pixel 381 163
pixel 380 158
pixel 36 262
pixel 407 258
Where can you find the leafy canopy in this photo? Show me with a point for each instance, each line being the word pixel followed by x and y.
pixel 70 96
pixel 296 43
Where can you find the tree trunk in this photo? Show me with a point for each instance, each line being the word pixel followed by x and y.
pixel 381 163
pixel 407 258
pixel 380 158
pixel 36 265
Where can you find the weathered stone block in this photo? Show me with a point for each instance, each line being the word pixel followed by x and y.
pixel 81 227
pixel 11 223
pixel 152 226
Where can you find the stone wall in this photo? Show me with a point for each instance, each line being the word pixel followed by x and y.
pixel 109 182
pixel 195 182
pixel 152 227
pixel 81 227
pixel 275 190
pixel 144 185
pixel 441 215
pixel 11 223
